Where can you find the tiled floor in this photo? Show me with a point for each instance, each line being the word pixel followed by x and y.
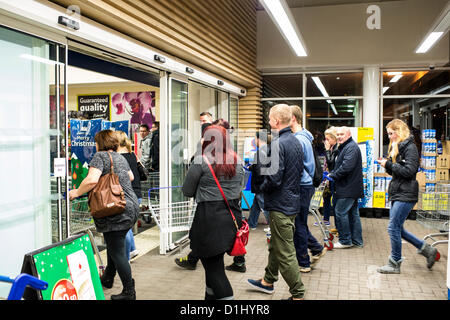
pixel 343 274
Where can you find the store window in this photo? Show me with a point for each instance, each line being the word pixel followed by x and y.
pixel 419 114
pixel 276 86
pixel 332 108
pixel 321 114
pixel 421 98
pixel 334 84
pixel 424 82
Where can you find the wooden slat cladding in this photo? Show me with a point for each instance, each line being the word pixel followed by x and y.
pixel 217 35
pixel 250 110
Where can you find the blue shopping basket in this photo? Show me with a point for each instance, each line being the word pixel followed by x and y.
pixel 20 283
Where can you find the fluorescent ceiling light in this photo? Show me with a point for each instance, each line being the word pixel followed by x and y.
pixel 396 78
pixel 429 42
pixel 319 85
pixel 440 27
pixel 39 59
pixel 385 89
pixel 322 89
pixel 394 73
pixel 334 109
pixel 279 11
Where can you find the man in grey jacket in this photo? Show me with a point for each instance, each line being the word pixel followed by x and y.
pixel 144 131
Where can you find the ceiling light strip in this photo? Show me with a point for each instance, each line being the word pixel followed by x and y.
pixel 282 17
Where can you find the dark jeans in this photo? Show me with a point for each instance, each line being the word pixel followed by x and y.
pixel 217 284
pixel 303 239
pixel 328 204
pixel 348 221
pixel 117 256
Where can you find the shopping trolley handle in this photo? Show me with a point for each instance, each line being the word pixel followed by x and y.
pixel 21 282
pixel 326 176
pixel 153 189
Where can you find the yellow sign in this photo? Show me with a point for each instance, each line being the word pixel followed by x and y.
pixel 379 199
pixel 365 134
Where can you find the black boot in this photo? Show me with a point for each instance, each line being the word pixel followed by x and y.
pixel 128 293
pixel 107 280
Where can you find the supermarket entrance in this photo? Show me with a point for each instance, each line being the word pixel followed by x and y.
pixel 108 92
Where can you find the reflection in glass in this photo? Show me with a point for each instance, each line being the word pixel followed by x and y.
pixel 425 82
pixel 419 114
pixel 275 86
pixel 335 84
pixel 320 114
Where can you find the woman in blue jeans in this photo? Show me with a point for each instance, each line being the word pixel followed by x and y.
pixel 402 164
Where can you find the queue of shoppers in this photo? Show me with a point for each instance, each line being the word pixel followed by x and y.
pixel 283 185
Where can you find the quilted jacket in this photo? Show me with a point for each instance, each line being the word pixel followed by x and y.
pixel 281 186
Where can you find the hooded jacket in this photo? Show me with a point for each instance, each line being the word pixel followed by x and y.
pixel 404 186
pixel 306 138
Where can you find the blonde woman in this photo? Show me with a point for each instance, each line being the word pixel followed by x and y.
pixel 125 150
pixel 402 164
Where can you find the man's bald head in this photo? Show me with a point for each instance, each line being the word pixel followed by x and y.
pixel 343 134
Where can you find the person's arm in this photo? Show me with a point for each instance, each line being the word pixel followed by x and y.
pixel 87 184
pixel 192 179
pixel 131 175
pixel 407 167
pixel 348 164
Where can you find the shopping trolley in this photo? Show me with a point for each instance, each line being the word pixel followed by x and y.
pixel 20 283
pixel 80 216
pixel 314 206
pixel 152 182
pixel 434 211
pixel 171 217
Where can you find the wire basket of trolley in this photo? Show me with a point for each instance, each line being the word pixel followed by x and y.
pixel 80 216
pixel 152 182
pixel 173 218
pixel 434 211
pixel 314 206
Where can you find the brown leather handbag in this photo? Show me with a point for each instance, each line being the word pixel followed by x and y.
pixel 107 197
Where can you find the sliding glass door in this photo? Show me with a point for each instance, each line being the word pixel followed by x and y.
pixel 32 137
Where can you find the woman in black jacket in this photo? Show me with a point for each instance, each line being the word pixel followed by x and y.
pixel 402 164
pixel 331 152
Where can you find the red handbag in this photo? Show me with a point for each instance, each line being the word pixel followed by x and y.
pixel 241 238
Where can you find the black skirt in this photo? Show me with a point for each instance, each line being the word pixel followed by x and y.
pixel 213 230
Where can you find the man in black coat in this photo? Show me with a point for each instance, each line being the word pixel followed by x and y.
pixel 348 177
pixel 281 189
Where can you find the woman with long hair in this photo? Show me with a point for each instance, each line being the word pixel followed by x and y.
pixel 213 230
pixel 126 151
pixel 402 164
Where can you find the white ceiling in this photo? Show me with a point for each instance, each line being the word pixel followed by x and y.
pixel 318 3
pixel 82 76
